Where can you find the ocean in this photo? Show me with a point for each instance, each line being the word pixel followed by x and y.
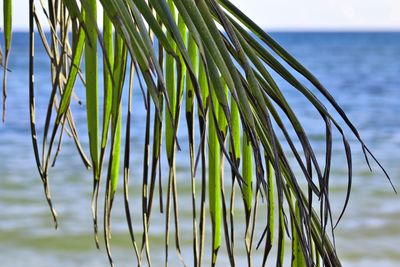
pixel 362 72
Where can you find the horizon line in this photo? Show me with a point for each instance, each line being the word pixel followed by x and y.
pixel 299 30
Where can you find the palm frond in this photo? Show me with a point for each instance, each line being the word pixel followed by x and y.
pixel 211 57
pixel 7 23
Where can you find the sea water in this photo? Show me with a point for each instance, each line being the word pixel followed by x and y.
pixel 362 72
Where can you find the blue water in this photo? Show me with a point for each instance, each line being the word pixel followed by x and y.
pixel 361 70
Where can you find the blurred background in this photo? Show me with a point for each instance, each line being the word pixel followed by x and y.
pixel 352 46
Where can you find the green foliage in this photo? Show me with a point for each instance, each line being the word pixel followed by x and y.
pixel 211 54
pixel 7 23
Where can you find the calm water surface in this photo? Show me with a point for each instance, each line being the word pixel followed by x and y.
pixel 362 71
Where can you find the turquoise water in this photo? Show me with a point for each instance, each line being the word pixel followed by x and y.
pixel 360 69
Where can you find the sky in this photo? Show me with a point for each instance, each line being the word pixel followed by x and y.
pixel 298 15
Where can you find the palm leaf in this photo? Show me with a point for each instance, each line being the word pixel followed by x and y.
pixel 212 57
pixel 7 22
